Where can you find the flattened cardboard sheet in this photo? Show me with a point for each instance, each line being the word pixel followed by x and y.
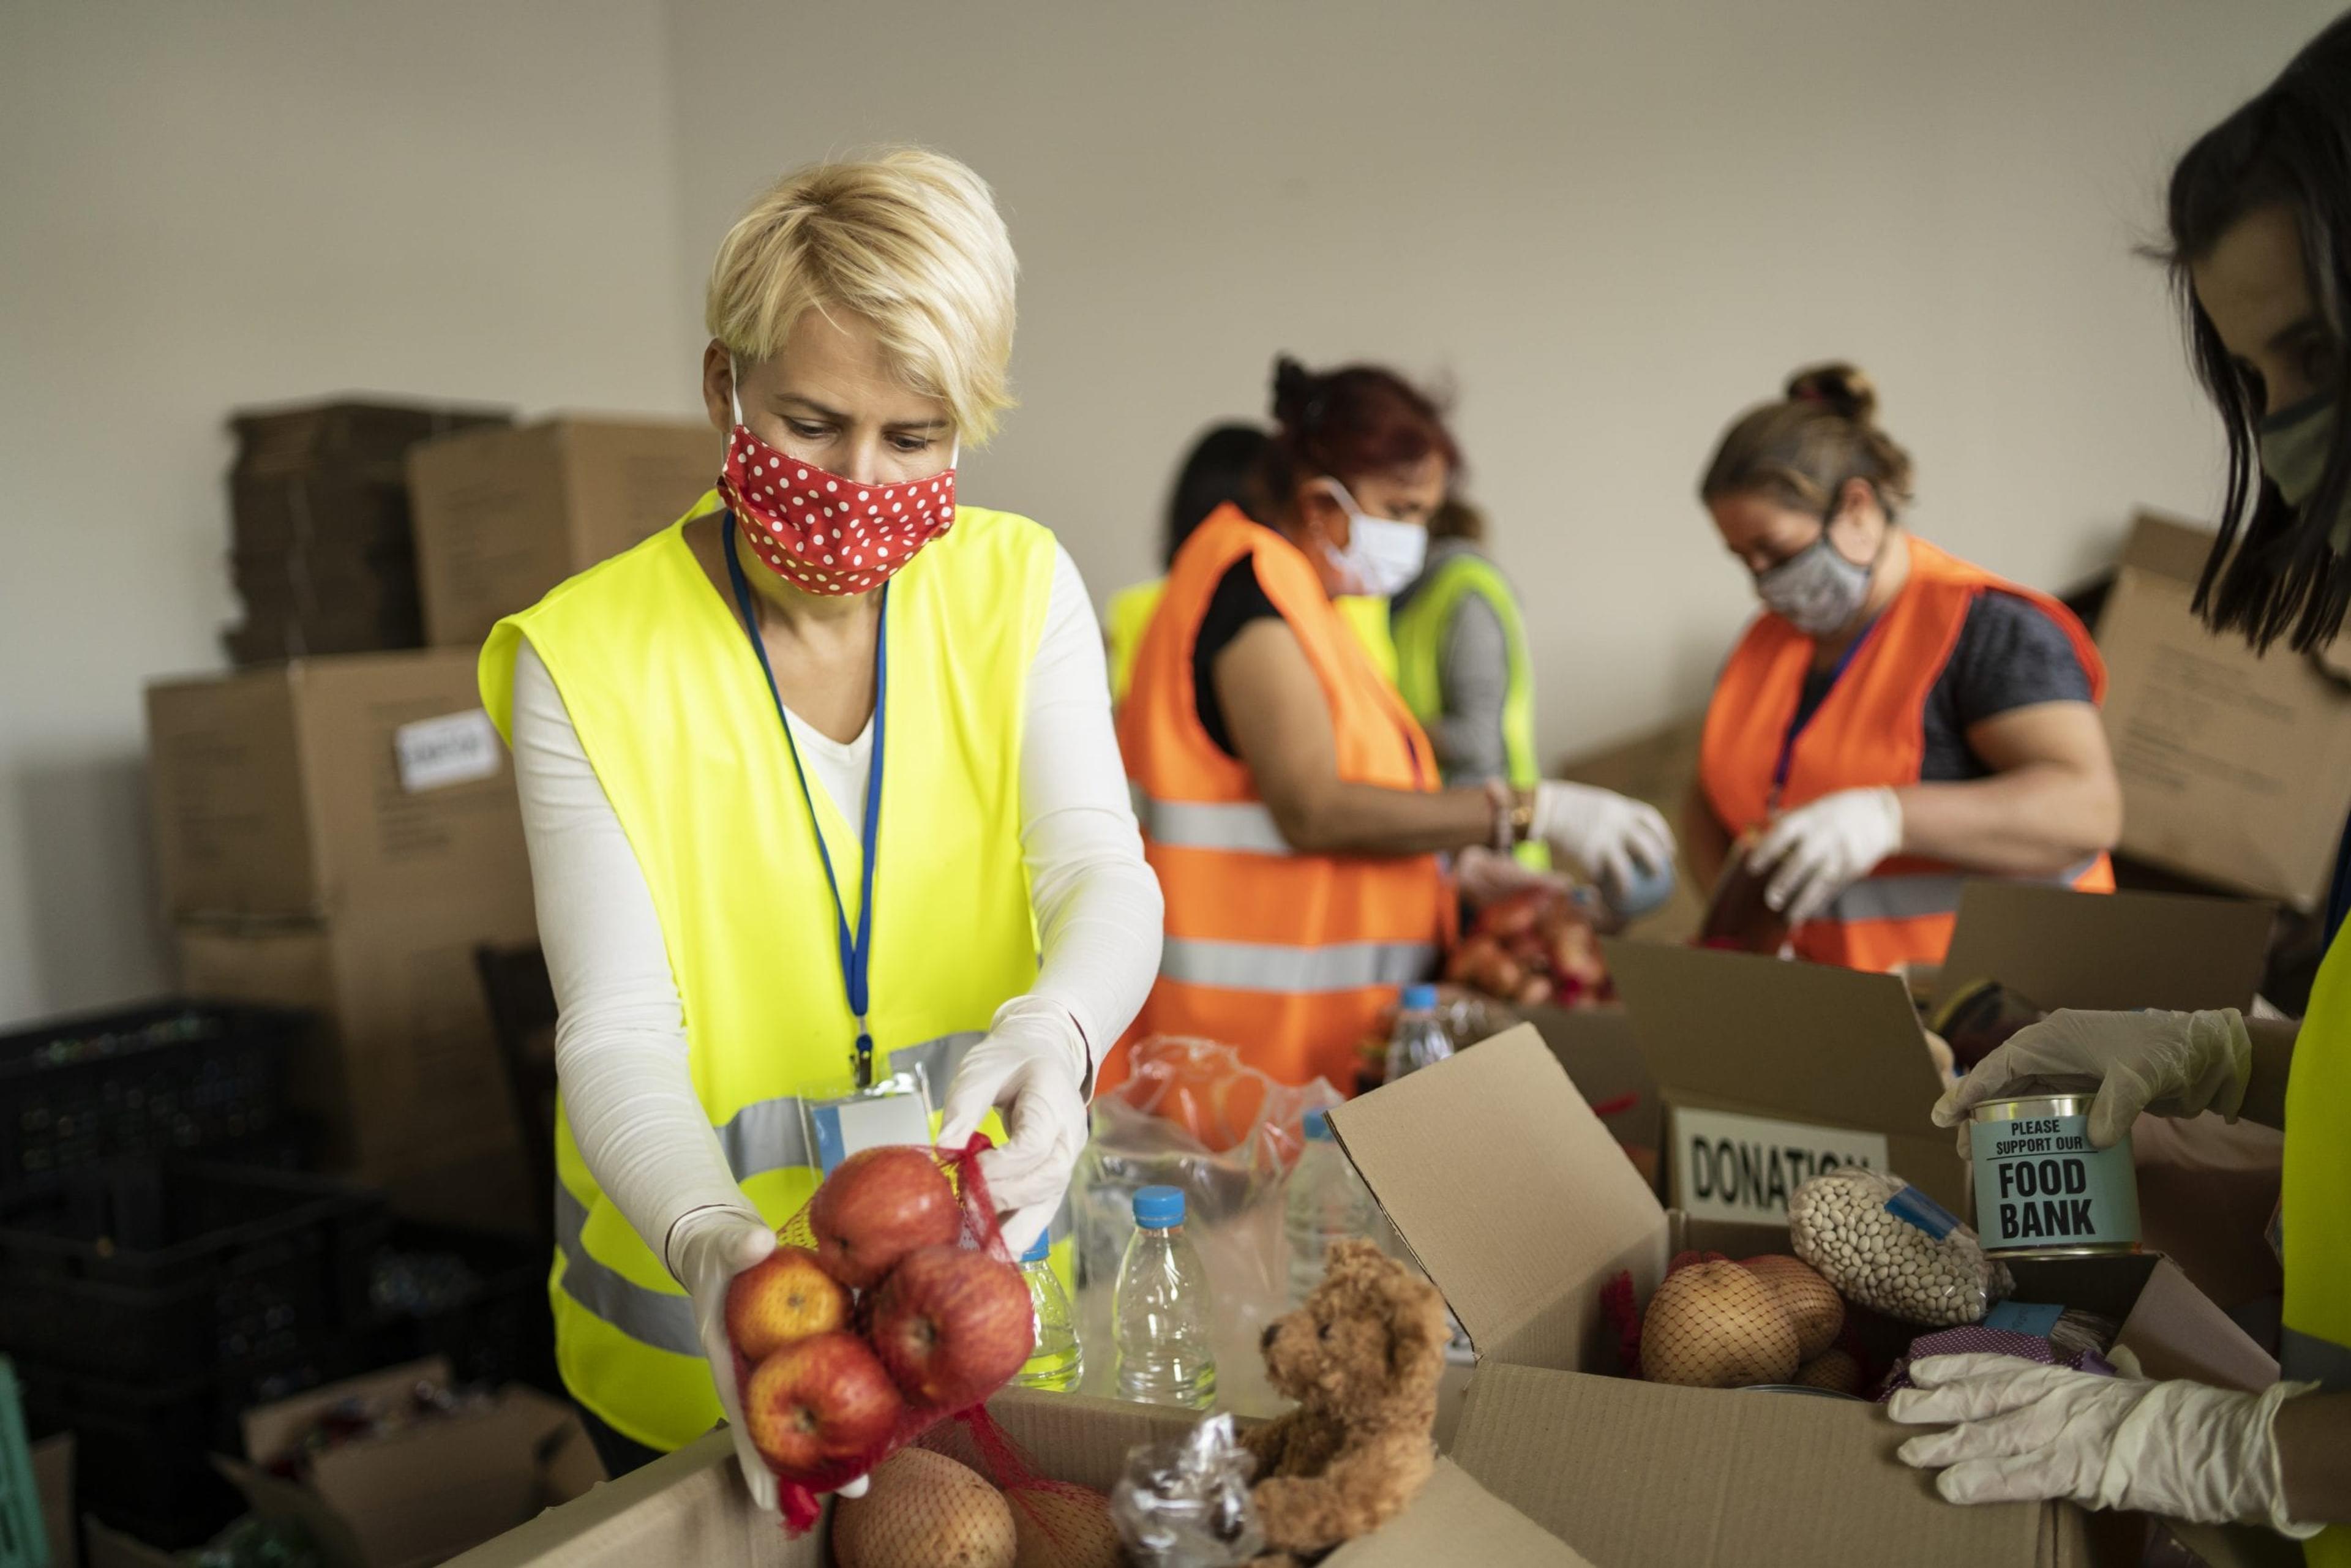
pixel 2110 950
pixel 1511 1194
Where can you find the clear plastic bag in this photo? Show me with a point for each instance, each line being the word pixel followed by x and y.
pixel 1192 1115
pixel 1186 1503
pixel 1888 1247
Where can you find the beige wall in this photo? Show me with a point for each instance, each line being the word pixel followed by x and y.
pixel 1610 227
pixel 208 205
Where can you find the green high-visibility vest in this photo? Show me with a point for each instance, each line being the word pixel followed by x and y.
pixel 1420 624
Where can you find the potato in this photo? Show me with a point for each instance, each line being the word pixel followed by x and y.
pixel 925 1510
pixel 1833 1370
pixel 1063 1526
pixel 1716 1325
pixel 1810 1301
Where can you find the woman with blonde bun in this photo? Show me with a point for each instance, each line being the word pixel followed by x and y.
pixel 1896 720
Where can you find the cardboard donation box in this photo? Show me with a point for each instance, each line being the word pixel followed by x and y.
pixel 502 515
pixel 1521 1207
pixel 2235 768
pixel 322 785
pixel 690 1507
pixel 421 1493
pixel 1770 1072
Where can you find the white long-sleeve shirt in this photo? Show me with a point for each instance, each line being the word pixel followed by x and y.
pixel 621 1048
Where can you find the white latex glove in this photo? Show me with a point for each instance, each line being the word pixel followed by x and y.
pixel 1484 877
pixel 1824 847
pixel 1033 1068
pixel 707 1249
pixel 2028 1431
pixel 2174 1064
pixel 1606 833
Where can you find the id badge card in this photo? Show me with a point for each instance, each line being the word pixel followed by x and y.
pixel 894 1110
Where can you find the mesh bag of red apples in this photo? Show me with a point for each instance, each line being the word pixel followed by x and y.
pixel 1535 945
pixel 889 1305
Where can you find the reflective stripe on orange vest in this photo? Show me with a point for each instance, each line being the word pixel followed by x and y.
pixel 1868 731
pixel 1289 957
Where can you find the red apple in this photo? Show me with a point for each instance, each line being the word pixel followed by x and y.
pixel 785 1298
pixel 819 1403
pixel 877 1206
pixel 952 1324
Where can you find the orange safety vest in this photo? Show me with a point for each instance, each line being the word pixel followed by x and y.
pixel 1869 730
pixel 1291 957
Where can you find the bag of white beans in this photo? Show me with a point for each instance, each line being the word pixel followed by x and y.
pixel 1845 1224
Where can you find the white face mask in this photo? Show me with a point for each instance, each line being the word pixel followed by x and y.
pixel 1383 556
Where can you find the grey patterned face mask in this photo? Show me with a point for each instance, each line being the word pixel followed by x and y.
pixel 2294 444
pixel 1816 591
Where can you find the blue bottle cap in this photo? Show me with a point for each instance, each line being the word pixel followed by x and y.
pixel 1037 1250
pixel 1318 1125
pixel 1421 998
pixel 1157 1206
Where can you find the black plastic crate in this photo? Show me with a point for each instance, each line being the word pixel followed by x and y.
pixel 142 1449
pixel 169 1268
pixel 478 1298
pixel 172 1077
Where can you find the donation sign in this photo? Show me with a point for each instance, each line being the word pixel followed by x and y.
pixel 1726 1165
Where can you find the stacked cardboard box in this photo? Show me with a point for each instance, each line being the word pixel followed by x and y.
pixel 2235 766
pixel 323 558
pixel 502 515
pixel 342 834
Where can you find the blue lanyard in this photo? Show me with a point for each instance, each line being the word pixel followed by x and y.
pixel 1797 724
pixel 856 950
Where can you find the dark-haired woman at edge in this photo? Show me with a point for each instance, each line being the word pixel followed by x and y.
pixel 1290 803
pixel 2261 258
pixel 1897 720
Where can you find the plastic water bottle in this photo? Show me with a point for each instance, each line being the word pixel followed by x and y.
pixel 1326 1201
pixel 1057 1362
pixel 1161 1309
pixel 1419 1037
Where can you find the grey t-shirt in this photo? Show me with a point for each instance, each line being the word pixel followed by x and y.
pixel 1473 682
pixel 2011 654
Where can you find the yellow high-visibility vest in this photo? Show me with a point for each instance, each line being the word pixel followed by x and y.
pixel 672 708
pixel 2316 1207
pixel 1420 624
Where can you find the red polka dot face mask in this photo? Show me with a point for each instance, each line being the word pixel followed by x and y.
pixel 823 533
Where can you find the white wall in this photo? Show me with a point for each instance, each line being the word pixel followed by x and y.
pixel 209 205
pixel 1610 226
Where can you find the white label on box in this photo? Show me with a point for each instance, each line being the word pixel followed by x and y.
pixel 1729 1166
pixel 456 748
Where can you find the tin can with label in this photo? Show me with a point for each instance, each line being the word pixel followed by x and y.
pixel 2041 1191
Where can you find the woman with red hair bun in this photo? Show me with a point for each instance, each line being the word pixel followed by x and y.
pixel 1290 803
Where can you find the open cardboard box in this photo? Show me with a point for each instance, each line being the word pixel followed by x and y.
pixel 1770 1072
pixel 1520 1206
pixel 423 1494
pixel 690 1507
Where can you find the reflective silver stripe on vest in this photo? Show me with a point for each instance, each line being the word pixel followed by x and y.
pixel 1914 895
pixel 771 1134
pixel 1269 966
pixel 2306 1358
pixel 1243 826
pixel 655 1317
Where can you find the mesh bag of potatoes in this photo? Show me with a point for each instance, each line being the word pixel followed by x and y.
pixel 1714 1323
pixel 1886 1246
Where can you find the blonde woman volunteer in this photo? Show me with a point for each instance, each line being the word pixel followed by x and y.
pixel 821 788
pixel 1897 720
pixel 1292 806
pixel 2260 249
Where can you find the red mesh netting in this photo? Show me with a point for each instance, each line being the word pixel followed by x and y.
pixel 895 1306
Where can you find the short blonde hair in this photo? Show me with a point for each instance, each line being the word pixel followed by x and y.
pixel 910 240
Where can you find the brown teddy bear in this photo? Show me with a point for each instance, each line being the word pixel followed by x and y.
pixel 1362 1356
